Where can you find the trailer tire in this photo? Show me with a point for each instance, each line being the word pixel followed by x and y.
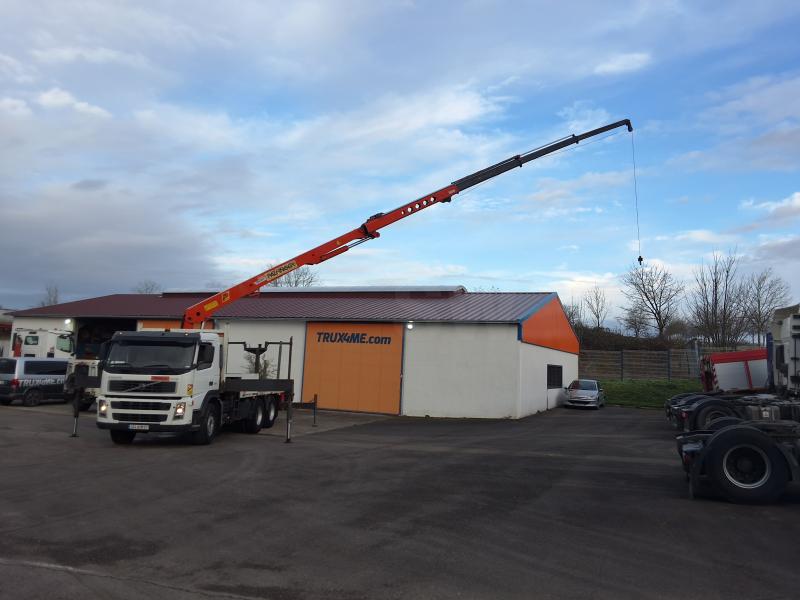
pixel 33 398
pixel 209 425
pixel 709 412
pixel 722 422
pixel 270 413
pixel 122 438
pixel 746 466
pixel 255 421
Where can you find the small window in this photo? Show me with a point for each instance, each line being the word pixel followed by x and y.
pixel 7 366
pixel 555 376
pixel 48 367
pixel 205 357
pixel 31 340
pixel 64 343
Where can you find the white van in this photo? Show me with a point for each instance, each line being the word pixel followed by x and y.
pixel 42 343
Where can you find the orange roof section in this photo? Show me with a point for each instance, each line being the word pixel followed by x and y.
pixel 548 326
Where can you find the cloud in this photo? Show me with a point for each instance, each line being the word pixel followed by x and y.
pixel 756 124
pixel 95 55
pixel 55 98
pixel 14 107
pixel 704 236
pixel 98 243
pixel 788 208
pixel 583 115
pixel 13 70
pixel 303 118
pixel 623 63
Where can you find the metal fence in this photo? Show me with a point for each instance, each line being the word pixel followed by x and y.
pixel 639 364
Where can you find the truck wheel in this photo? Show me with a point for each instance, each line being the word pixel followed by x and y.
pixel 5 401
pixel 255 421
pixel 722 422
pixel 122 437
pixel 209 425
pixel 710 412
pixel 33 398
pixel 745 465
pixel 271 413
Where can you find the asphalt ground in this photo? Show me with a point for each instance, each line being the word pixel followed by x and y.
pixel 567 504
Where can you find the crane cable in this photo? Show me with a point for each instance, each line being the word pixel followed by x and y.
pixel 636 201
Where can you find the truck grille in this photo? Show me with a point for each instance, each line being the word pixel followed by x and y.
pixel 142 387
pixel 139 418
pixel 125 404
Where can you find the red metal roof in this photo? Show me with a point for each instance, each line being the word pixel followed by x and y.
pixel 445 304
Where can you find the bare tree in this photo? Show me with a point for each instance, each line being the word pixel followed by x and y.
pixel 596 305
pixel 764 292
pixel 679 330
pixel 147 286
pixel 635 320
pixel 574 312
pixel 716 304
pixel 50 295
pixel 656 291
pixel 302 277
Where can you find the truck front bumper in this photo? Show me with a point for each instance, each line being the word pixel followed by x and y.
pixel 148 427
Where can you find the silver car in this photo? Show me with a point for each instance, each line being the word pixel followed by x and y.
pixel 585 392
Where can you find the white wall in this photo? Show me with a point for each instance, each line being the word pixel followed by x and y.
pixel 534 395
pixel 460 370
pixel 257 332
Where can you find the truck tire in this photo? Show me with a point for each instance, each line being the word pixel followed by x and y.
pixel 709 412
pixel 209 425
pixel 122 437
pixel 5 401
pixel 745 465
pixel 255 421
pixel 33 398
pixel 270 413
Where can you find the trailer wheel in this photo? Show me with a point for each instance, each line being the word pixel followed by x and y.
pixel 714 410
pixel 255 421
pixel 122 437
pixel 33 398
pixel 209 424
pixel 271 413
pixel 745 465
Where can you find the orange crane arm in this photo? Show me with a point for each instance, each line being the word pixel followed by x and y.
pixel 200 312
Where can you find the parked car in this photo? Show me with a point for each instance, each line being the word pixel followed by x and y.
pixel 585 392
pixel 32 380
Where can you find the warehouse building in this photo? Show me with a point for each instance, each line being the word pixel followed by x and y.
pixel 416 351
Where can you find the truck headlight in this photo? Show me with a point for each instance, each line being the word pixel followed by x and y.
pixel 102 407
pixel 180 410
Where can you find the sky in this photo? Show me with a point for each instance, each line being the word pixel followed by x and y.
pixel 192 144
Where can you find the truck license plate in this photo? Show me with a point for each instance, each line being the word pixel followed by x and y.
pixel 139 427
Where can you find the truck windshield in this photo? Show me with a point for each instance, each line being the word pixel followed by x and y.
pixel 129 356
